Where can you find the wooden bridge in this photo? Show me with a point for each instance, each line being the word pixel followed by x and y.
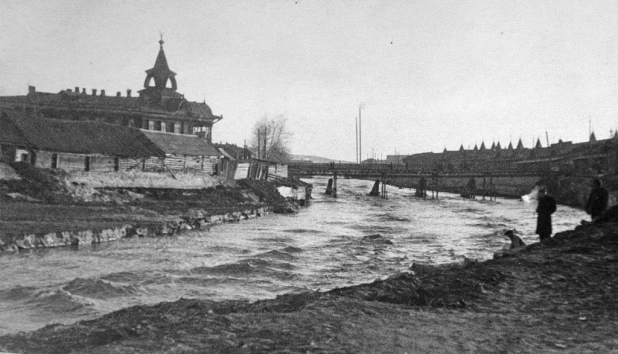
pixel 467 183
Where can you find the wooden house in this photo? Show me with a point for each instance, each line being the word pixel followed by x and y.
pixel 73 145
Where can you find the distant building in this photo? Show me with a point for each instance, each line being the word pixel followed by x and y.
pixel 159 107
pixel 591 157
pixel 395 159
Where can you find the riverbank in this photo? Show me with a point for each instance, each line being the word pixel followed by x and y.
pixel 47 208
pixel 554 297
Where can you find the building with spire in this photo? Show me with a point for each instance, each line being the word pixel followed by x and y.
pixel 158 107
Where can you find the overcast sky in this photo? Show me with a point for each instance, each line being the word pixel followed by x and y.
pixel 429 74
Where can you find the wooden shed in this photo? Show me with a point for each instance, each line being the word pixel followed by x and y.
pixel 188 153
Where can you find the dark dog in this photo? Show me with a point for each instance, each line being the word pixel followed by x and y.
pixel 516 241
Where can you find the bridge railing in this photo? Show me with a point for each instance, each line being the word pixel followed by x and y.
pixel 394 170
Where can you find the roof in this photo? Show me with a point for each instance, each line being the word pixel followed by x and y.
pixel 79 137
pixel 64 99
pixel 181 144
pixel 197 109
pixel 234 150
pixel 161 63
pixel 10 133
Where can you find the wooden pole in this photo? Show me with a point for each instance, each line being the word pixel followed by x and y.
pixel 360 136
pixel 335 185
pixel 259 143
pixel 356 131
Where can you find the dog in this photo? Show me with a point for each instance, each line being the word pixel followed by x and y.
pixel 516 241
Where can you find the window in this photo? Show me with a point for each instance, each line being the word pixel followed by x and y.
pixel 87 163
pixel 157 125
pixel 203 132
pixel 169 127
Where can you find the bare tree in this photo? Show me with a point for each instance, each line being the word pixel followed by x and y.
pixel 270 139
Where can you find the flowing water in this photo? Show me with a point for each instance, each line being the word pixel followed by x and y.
pixel 334 242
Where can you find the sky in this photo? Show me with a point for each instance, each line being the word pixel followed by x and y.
pixel 425 74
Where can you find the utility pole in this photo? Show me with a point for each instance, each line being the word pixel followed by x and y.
pixel 356 131
pixel 547 138
pixel 265 155
pixel 259 142
pixel 360 136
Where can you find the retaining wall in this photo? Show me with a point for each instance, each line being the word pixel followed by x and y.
pixel 195 219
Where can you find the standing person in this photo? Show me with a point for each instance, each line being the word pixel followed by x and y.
pixel 546 207
pixel 597 201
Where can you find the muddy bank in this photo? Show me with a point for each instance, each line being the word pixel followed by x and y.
pixel 554 297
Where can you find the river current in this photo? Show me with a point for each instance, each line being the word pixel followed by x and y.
pixel 332 243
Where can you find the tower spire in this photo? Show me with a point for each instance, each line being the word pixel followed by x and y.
pixel 161 72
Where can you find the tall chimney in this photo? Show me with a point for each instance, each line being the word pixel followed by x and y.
pixel 31 89
pixel 118 94
pixel 94 92
pixel 76 89
pixel 83 90
pixel 102 92
pixel 128 92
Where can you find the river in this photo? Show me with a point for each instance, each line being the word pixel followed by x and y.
pixel 332 243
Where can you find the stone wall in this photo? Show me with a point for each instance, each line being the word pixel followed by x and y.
pixel 195 219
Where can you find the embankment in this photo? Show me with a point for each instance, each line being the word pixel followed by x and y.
pixel 50 208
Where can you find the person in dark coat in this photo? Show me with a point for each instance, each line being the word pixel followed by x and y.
pixel 609 215
pixel 546 207
pixel 597 201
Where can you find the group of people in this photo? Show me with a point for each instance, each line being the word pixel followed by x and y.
pixel 596 206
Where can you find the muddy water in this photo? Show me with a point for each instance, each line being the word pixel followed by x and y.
pixel 332 243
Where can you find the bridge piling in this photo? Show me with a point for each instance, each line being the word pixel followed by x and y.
pixel 375 191
pixel 329 187
pixel 384 193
